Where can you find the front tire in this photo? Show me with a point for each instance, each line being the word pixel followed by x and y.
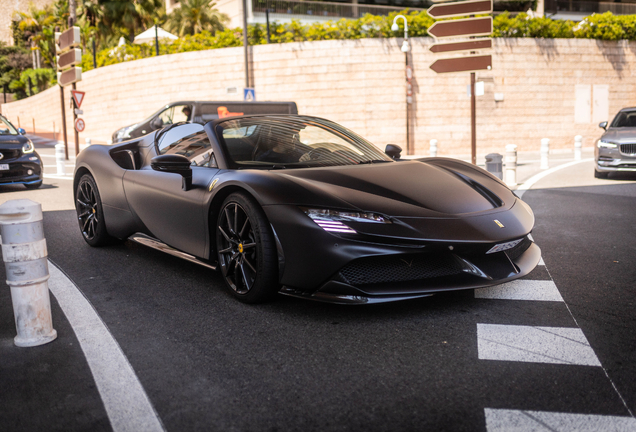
pixel 90 214
pixel 245 249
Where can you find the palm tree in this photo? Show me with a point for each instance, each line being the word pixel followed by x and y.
pixel 125 16
pixel 194 16
pixel 36 24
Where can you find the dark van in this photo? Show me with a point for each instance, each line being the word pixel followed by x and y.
pixel 200 112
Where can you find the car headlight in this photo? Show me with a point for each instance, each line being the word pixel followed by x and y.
pixel 28 147
pixel 605 144
pixel 332 220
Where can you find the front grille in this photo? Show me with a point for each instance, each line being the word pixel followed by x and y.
pixel 13 174
pixel 399 268
pixel 628 149
pixel 10 154
pixel 515 252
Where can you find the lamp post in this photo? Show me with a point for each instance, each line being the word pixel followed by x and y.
pixel 409 75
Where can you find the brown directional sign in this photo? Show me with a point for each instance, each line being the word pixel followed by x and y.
pixel 69 58
pixel 70 76
pixel 461 27
pixel 68 39
pixel 448 10
pixel 463 64
pixel 472 45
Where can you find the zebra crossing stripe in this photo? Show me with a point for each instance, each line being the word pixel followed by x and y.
pixel 522 290
pixel 503 420
pixel 554 345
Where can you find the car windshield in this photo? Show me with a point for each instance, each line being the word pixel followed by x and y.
pixel 293 142
pixel 7 128
pixel 624 119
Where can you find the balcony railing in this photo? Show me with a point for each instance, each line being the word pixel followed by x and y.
pixel 589 7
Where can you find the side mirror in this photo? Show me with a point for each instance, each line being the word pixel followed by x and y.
pixel 21 131
pixel 176 164
pixel 393 150
pixel 156 123
pixel 603 125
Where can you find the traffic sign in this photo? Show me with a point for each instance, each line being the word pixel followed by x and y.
pixel 79 125
pixel 472 45
pixel 471 7
pixel 462 27
pixel 68 39
pixel 69 58
pixel 78 97
pixel 249 94
pixel 463 64
pixel 70 76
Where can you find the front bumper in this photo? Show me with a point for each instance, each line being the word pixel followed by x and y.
pixel 613 160
pixel 362 269
pixel 18 172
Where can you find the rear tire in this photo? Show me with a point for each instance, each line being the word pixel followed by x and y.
pixel 90 214
pixel 246 250
pixel 600 174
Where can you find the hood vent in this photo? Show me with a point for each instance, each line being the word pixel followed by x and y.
pixel 489 195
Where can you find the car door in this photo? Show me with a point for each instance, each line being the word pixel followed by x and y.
pixel 171 214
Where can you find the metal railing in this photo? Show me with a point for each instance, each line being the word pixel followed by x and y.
pixel 326 10
pixel 589 7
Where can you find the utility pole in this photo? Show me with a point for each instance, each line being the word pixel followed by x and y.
pixel 247 70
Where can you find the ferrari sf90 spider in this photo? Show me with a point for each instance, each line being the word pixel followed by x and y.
pixel 302 206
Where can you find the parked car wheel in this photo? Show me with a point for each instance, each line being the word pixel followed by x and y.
pixel 90 214
pixel 246 250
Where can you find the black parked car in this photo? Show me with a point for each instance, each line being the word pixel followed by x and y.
pixel 305 207
pixel 200 112
pixel 616 149
pixel 19 162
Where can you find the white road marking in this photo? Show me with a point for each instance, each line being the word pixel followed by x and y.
pixel 535 178
pixel 555 345
pixel 125 400
pixel 502 420
pixel 522 290
pixel 541 262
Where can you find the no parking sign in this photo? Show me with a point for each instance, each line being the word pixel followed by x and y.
pixel 79 125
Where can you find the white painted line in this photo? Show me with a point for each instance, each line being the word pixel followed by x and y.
pixel 125 400
pixel 541 262
pixel 534 344
pixel 502 420
pixel 535 178
pixel 522 290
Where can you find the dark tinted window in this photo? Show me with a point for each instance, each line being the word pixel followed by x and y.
pixel 6 128
pixel 624 119
pixel 213 111
pixel 188 140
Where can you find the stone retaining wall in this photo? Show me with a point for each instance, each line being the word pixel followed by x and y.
pixel 361 84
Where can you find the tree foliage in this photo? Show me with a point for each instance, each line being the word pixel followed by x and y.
pixel 196 16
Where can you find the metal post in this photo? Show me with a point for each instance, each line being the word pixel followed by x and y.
pixel 33 119
pixel 473 120
pixel 156 40
pixel 94 55
pixel 4 92
pixel 25 259
pixel 409 151
pixel 545 151
pixel 247 70
pixel 433 148
pixel 64 122
pixel 74 120
pixel 267 20
pixel 578 144
pixel 511 165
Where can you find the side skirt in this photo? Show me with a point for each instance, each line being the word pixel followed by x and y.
pixel 159 245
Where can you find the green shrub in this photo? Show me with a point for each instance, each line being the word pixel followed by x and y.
pixel 597 26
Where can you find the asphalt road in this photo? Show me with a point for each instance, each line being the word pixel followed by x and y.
pixel 208 362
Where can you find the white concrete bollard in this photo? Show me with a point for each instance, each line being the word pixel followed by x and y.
pixel 511 164
pixel 433 148
pixel 60 159
pixel 545 151
pixel 494 165
pixel 578 146
pixel 25 259
pixel 88 142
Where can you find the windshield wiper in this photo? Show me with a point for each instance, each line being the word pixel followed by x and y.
pixel 372 161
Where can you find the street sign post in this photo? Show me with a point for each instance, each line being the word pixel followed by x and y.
pixel 463 28
pixel 68 74
pixel 79 125
pixel 249 94
pixel 78 97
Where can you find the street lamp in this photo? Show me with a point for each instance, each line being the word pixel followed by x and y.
pixel 395 27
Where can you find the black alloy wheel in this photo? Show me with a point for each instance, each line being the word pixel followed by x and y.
pixel 90 215
pixel 246 251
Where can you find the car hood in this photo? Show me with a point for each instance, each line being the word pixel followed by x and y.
pixel 433 188
pixel 12 141
pixel 620 135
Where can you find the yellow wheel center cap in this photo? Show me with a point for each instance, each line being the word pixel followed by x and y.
pixel 93 210
pixel 240 247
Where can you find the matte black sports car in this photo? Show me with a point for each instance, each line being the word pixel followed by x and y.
pixel 19 162
pixel 302 206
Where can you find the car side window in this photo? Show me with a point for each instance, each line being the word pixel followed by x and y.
pixel 176 114
pixel 191 141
